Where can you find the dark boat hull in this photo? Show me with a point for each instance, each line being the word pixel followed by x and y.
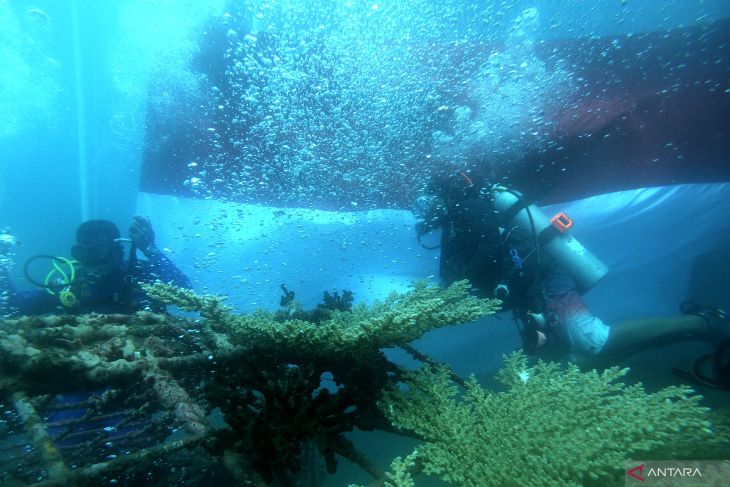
pixel 651 110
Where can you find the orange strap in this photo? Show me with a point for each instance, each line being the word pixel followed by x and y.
pixel 562 222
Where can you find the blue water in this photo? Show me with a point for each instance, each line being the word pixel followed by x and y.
pixel 281 178
pixel 100 56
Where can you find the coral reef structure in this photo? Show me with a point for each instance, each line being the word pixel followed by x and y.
pixel 252 399
pixel 250 390
pixel 552 426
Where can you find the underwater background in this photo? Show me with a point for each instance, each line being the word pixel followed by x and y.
pixel 283 142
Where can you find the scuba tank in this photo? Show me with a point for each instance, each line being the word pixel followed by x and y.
pixel 550 235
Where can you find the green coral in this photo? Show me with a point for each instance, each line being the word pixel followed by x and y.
pixel 400 472
pixel 553 426
pixel 399 476
pixel 401 318
pixel 209 306
pixel 268 385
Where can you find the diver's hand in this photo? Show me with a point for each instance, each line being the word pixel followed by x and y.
pixel 422 228
pixel 142 235
pixel 501 291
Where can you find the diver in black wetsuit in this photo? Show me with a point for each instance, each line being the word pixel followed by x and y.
pixel 504 261
pixel 99 279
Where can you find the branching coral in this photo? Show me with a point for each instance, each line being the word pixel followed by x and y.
pixel 552 426
pixel 399 476
pixel 280 384
pixel 401 318
pixel 209 306
pixel 400 471
pixel 271 394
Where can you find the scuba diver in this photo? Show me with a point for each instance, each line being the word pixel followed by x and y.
pixel 98 278
pixel 508 249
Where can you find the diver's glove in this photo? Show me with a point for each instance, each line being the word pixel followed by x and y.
pixel 142 235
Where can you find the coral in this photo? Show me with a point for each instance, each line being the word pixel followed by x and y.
pixel 292 309
pixel 209 307
pixel 286 360
pixel 400 471
pixel 401 318
pixel 335 301
pixel 277 384
pixel 716 447
pixel 399 476
pixel 281 384
pixel 553 426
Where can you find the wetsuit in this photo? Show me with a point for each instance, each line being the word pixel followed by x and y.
pixel 470 245
pixel 473 247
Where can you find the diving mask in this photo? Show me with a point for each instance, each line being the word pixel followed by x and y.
pixel 430 210
pixel 97 252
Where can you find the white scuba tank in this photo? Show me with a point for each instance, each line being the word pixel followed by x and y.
pixel 584 267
